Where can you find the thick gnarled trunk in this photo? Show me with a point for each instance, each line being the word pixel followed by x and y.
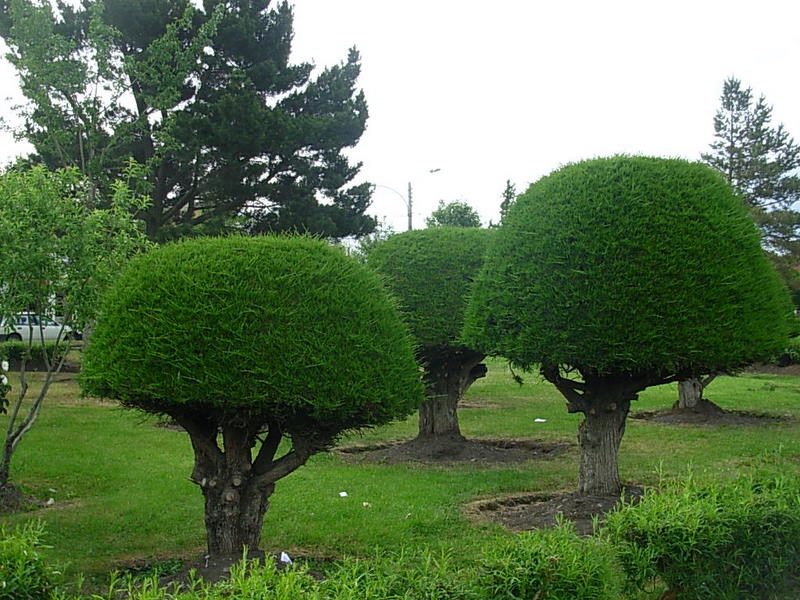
pixel 605 402
pixel 599 437
pixel 234 516
pixel 237 487
pixel 448 378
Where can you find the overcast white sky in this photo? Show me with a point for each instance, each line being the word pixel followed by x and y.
pixel 512 89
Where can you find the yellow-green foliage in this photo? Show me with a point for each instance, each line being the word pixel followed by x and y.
pixel 738 539
pixel 629 265
pixel 288 327
pixel 431 272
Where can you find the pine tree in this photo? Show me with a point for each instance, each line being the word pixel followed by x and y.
pixel 760 161
pixel 232 133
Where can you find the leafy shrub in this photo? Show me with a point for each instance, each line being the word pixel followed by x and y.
pixel 550 564
pixel 15 351
pixel 727 541
pixel 790 354
pixel 402 576
pixel 24 574
pixel 431 272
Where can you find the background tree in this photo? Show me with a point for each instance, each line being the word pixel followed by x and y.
pixel 259 340
pixel 760 161
pixel 58 256
pixel 430 271
pixel 598 278
pixel 757 159
pixel 454 214
pixel 509 197
pixel 232 134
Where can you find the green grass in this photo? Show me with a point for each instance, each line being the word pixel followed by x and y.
pixel 123 495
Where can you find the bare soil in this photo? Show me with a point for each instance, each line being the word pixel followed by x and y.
pixel 14 500
pixel 772 369
pixel 449 451
pixel 708 413
pixel 535 511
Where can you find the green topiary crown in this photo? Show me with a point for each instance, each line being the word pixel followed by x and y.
pixel 288 327
pixel 629 265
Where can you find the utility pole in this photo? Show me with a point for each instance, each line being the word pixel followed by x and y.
pixel 408 204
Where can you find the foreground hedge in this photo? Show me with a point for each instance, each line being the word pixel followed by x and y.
pixel 728 541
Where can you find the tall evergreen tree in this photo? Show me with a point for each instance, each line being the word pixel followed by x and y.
pixel 760 161
pixel 206 98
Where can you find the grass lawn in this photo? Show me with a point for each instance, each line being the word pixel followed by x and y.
pixel 122 491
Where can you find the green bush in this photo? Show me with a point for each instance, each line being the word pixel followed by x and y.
pixel 15 351
pixel 629 265
pixel 736 540
pixel 550 564
pixel 616 274
pixel 790 354
pixel 431 271
pixel 24 574
pixel 421 575
pixel 288 326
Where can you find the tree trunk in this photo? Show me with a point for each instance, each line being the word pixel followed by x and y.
pixel 690 392
pixel 604 401
pixel 448 379
pixel 234 514
pixel 690 396
pixel 236 487
pixel 599 437
pixel 437 414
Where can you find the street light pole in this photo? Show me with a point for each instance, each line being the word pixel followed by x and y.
pixel 408 204
pixel 407 201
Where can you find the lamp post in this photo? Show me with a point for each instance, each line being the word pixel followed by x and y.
pixel 408 201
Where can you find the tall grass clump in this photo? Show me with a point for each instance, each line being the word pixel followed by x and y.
pixel 550 564
pixel 406 575
pixel 24 574
pixel 732 540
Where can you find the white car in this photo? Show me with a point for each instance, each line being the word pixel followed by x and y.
pixel 43 329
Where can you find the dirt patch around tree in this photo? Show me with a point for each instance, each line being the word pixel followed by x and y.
pixel 14 500
pixel 178 574
pixel 708 413
pixel 523 512
pixel 451 451
pixel 772 369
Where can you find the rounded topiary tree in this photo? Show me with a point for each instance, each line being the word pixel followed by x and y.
pixel 246 342
pixel 615 274
pixel 431 271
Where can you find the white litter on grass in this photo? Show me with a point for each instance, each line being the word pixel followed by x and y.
pixel 343 494
pixel 285 558
pixel 540 420
pixel 4 365
pixel 50 502
pixel 366 505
